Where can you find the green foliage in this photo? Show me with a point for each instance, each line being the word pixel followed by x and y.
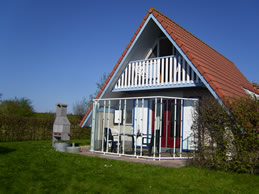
pixel 34 167
pixel 37 127
pixel 228 141
pixel 16 106
pixel 245 132
pixel 18 122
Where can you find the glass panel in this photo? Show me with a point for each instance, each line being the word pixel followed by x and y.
pixel 163 117
pixel 178 118
pixel 165 47
pixel 172 118
pixel 154 53
pixel 129 112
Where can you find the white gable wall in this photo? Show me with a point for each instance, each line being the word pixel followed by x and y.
pixel 140 49
pixel 148 36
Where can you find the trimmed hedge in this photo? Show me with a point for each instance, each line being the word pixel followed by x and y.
pixel 17 128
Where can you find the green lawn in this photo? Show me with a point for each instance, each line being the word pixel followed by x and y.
pixel 34 167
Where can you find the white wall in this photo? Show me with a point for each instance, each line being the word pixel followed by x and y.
pixel 188 111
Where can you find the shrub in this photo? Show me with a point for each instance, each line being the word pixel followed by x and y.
pixel 16 106
pixel 227 141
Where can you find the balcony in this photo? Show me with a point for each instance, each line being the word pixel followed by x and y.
pixel 157 73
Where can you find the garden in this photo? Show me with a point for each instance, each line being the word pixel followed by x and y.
pixel 29 163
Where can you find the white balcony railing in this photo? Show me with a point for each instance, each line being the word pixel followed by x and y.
pixel 162 71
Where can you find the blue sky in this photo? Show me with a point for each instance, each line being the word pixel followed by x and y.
pixel 55 51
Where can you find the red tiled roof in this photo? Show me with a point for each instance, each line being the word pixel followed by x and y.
pixel 219 72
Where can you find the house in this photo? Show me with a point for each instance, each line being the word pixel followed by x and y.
pixel 145 107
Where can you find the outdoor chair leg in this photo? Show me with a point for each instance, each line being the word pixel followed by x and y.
pixel 150 149
pixel 104 146
pixel 114 147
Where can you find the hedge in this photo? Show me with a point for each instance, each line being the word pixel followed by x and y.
pixel 18 128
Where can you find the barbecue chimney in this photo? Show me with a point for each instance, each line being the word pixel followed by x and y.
pixel 61 126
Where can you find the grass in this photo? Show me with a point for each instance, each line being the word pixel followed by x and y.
pixel 34 167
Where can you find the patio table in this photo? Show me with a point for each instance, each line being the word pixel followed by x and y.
pixel 133 139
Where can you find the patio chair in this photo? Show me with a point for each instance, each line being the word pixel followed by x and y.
pixel 151 143
pixel 112 139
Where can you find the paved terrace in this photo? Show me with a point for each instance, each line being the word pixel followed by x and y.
pixel 177 163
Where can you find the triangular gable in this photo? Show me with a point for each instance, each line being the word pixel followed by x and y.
pixel 220 75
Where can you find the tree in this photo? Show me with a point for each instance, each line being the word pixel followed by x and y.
pixel 80 107
pixel 100 83
pixel 16 106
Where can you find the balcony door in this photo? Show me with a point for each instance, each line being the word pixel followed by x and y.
pixel 162 47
